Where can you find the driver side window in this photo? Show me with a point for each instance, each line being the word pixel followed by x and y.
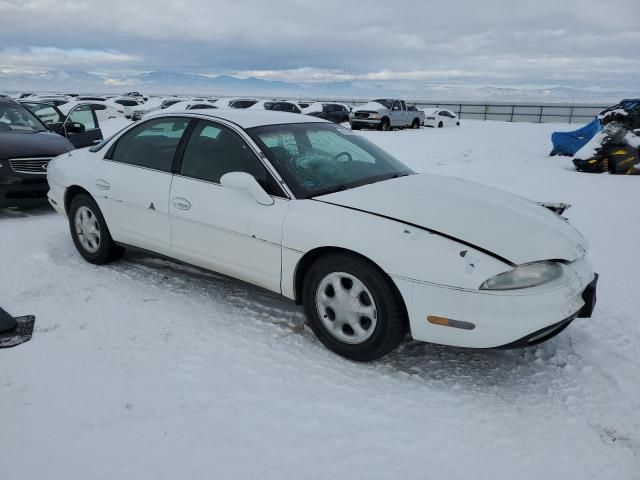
pixel 214 150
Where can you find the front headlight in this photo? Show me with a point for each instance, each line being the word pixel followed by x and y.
pixel 374 116
pixel 524 276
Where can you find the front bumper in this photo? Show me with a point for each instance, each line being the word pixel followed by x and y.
pixel 365 123
pixel 499 318
pixel 56 197
pixel 23 191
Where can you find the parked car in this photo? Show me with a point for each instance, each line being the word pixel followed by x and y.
pixel 26 147
pixel 128 103
pixel 103 110
pixel 307 209
pixel 441 117
pixel 80 123
pixel 334 112
pixel 243 103
pixel 90 98
pixel 186 105
pixel 137 95
pixel 276 105
pixel 151 105
pixel 385 114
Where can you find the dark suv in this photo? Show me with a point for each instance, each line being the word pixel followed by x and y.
pixel 26 147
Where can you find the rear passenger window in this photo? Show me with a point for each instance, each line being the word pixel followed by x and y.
pixel 151 145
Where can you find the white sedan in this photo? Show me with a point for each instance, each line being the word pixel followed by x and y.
pixel 317 213
pixel 441 117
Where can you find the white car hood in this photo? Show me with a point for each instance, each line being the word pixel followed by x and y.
pixel 493 220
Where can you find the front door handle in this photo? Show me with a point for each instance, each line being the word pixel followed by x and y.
pixel 181 203
pixel 102 184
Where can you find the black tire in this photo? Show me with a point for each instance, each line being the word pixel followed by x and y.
pixel 415 124
pixel 391 320
pixel 385 125
pixel 457 124
pixel 107 250
pixel 440 125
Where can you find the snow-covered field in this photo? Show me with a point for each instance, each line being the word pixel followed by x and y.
pixel 145 369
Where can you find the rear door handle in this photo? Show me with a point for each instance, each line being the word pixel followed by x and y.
pixel 102 184
pixel 181 203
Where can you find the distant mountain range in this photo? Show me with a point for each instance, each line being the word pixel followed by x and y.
pixel 167 82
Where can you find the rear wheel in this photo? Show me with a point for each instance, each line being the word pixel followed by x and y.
pixel 90 233
pixel 353 308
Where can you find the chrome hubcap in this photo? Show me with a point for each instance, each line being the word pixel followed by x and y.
pixel 87 229
pixel 346 307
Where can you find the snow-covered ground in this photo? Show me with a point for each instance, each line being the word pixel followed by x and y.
pixel 145 369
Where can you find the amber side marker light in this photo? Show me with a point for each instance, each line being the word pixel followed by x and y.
pixel 448 322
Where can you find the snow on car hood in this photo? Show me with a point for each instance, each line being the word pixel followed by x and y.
pixel 370 106
pixel 504 224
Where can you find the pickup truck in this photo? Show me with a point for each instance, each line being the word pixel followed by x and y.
pixel 386 114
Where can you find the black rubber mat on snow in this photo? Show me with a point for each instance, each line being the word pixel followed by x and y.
pixel 20 333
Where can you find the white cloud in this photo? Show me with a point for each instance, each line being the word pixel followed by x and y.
pixel 491 41
pixel 58 57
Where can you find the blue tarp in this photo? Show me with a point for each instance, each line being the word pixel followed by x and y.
pixel 568 143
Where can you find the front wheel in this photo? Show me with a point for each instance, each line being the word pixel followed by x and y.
pixel 353 308
pixel 440 125
pixel 90 233
pixel 415 124
pixel 385 125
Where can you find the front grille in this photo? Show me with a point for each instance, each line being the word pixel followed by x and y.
pixel 30 165
pixel 362 115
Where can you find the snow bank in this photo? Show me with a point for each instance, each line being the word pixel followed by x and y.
pixel 145 369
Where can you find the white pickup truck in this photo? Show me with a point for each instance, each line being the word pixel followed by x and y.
pixel 385 114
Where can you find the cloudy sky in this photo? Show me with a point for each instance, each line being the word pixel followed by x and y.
pixel 587 44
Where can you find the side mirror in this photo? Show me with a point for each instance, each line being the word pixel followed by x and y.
pixel 245 182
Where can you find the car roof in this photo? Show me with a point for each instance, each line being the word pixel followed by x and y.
pixel 244 117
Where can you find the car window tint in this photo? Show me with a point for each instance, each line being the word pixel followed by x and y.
pixel 214 150
pixel 84 116
pixel 152 144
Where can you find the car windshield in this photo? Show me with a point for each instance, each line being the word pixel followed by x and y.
pixel 319 158
pixel 386 102
pixel 17 119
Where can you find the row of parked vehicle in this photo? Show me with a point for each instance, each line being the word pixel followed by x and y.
pixel 37 127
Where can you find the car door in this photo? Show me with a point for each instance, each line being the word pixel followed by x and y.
pixel 81 126
pixel 396 114
pixel 131 184
pixel 49 114
pixel 219 228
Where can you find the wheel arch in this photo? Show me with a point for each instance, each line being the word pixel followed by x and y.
pixel 302 267
pixel 71 192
